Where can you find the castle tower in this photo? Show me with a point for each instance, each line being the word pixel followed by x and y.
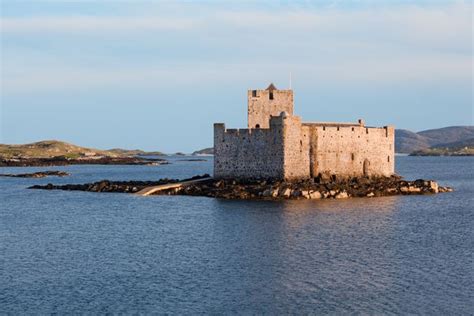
pixel 265 103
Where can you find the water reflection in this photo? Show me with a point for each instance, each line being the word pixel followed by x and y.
pixel 314 251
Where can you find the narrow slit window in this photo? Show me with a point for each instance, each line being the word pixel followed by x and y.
pixel 270 95
pixel 254 93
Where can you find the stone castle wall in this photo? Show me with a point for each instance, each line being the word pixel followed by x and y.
pixel 248 153
pixel 296 148
pixel 347 151
pixel 262 104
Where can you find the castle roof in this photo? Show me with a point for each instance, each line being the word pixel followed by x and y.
pixel 271 87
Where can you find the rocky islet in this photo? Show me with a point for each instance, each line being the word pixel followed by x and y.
pixel 268 189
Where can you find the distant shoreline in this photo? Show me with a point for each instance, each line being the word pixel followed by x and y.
pixel 62 161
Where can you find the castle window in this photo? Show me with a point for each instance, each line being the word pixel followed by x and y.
pixel 257 126
pixel 388 158
pixel 353 129
pixel 352 156
pixel 254 93
pixel 366 130
pixel 338 128
pixel 270 95
pixel 324 128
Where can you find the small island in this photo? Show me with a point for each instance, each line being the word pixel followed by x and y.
pixel 263 189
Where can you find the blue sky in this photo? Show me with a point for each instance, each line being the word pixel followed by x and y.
pixel 157 75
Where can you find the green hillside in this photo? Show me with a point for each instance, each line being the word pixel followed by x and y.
pixel 54 148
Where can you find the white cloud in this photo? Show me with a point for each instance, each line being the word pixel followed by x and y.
pixel 436 22
pixel 47 78
pixel 388 44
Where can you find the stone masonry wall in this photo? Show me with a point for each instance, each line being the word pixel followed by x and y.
pixel 351 150
pixel 261 106
pixel 296 149
pixel 248 153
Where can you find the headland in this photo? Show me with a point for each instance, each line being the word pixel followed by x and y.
pixel 57 153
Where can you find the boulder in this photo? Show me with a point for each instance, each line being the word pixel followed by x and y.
pixel 410 189
pixel 433 185
pixel 305 194
pixel 285 192
pixel 444 189
pixel 270 192
pixel 342 195
pixel 315 195
pixel 404 189
pixel 414 189
pixel 274 192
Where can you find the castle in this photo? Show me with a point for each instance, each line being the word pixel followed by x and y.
pixel 278 145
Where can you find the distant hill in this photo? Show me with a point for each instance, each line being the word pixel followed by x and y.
pixel 457 145
pixel 135 152
pixel 448 134
pixel 408 142
pixel 54 148
pixel 205 151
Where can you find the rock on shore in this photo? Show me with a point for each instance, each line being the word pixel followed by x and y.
pixel 112 186
pixel 40 174
pixel 312 189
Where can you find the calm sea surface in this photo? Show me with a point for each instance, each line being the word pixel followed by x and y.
pixel 64 252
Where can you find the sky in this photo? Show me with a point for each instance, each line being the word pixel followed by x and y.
pixel 156 75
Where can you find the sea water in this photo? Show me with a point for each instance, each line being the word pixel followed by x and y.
pixel 70 251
